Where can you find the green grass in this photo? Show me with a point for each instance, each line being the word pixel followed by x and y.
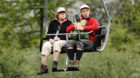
pixel 109 64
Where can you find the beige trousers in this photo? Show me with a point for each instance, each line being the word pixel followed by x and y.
pixel 57 45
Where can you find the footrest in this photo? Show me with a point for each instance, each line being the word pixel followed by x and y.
pixel 72 69
pixel 68 69
pixel 60 70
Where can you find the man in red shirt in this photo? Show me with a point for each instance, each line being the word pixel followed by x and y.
pixel 91 25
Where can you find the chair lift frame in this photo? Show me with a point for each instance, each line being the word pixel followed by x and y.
pixel 98 49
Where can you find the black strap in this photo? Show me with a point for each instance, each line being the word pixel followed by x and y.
pixel 58 29
pixel 78 20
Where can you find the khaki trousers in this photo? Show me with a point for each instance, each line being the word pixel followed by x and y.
pixel 57 45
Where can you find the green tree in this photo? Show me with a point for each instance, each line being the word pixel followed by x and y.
pixel 20 20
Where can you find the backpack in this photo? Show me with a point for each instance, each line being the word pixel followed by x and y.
pixel 82 36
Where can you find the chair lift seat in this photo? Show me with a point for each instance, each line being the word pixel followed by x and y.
pixel 97 43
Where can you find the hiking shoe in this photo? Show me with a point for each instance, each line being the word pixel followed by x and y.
pixel 71 62
pixel 70 66
pixel 76 64
pixel 54 66
pixel 43 69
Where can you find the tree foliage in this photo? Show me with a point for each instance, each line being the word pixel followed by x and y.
pixel 20 20
pixel 124 19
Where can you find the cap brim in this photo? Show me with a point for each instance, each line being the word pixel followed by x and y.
pixel 59 12
pixel 84 8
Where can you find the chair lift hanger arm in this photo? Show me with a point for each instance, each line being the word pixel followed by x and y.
pixel 46 15
pixel 108 27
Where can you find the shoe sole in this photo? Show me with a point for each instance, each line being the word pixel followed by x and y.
pixel 72 69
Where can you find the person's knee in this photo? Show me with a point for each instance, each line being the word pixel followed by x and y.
pixel 45 53
pixel 79 49
pixel 55 51
pixel 70 48
pixel 57 46
pixel 44 56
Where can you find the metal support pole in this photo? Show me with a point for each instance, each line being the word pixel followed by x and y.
pixel 46 16
pixel 108 27
pixel 66 64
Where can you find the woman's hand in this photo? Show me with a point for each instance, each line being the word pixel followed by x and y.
pixel 56 38
pixel 51 41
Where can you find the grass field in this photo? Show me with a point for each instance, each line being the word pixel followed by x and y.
pixel 111 63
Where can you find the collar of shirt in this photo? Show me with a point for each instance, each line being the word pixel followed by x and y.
pixel 85 18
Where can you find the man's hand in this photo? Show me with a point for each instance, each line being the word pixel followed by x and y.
pixel 56 38
pixel 51 41
pixel 78 26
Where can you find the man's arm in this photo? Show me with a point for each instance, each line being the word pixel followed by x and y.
pixel 94 26
pixel 70 28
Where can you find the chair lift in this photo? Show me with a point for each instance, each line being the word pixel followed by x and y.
pixel 101 36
